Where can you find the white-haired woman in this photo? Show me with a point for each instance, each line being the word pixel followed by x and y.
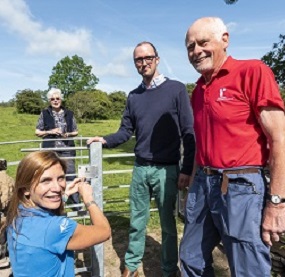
pixel 57 122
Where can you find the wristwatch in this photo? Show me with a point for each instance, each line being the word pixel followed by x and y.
pixel 275 199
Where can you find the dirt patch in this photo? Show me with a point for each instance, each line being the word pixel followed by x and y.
pixel 115 250
pixel 116 247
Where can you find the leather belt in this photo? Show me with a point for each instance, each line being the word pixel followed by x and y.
pixel 225 179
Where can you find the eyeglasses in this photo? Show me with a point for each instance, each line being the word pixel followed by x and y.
pixel 53 99
pixel 147 59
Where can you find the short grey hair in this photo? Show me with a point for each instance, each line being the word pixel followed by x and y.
pixel 53 91
pixel 218 27
pixel 214 24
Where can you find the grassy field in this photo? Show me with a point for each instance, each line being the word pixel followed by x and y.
pixel 21 127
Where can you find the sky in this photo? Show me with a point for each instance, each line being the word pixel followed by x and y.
pixel 36 34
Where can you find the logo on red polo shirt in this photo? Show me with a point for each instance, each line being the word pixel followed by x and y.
pixel 223 96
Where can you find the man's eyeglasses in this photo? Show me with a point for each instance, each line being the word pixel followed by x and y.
pixel 53 99
pixel 147 59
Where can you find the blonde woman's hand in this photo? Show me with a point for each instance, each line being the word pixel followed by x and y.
pixel 86 191
pixel 72 187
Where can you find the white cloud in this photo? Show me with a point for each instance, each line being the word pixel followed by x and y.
pixel 118 66
pixel 16 16
pixel 231 26
pixel 234 27
pixel 101 48
pixel 111 87
pixel 111 69
pixel 125 55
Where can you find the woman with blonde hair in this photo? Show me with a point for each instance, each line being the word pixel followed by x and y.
pixel 40 239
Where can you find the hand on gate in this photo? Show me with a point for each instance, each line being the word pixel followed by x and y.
pixel 96 139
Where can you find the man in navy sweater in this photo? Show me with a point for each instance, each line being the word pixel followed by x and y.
pixel 158 112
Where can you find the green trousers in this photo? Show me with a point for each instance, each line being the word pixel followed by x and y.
pixel 159 182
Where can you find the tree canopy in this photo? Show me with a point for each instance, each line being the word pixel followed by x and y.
pixel 29 101
pixel 276 60
pixel 89 105
pixel 72 75
pixel 190 87
pixel 118 100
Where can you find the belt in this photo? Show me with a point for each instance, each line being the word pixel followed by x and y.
pixel 225 179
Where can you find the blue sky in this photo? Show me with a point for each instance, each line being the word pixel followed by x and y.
pixel 36 34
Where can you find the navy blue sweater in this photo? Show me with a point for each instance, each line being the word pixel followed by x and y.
pixel 160 118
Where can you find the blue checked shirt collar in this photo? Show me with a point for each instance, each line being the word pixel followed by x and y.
pixel 155 82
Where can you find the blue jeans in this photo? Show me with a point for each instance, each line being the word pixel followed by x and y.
pixel 233 218
pixel 161 183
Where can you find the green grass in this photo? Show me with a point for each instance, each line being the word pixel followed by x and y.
pixel 18 127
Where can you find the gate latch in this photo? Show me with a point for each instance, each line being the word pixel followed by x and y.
pixel 87 171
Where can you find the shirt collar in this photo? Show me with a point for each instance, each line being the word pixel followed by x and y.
pixel 33 211
pixel 225 68
pixel 158 80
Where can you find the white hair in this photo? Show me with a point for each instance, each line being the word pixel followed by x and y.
pixel 53 91
pixel 218 27
pixel 214 24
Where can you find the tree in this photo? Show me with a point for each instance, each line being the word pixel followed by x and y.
pixel 282 91
pixel 276 60
pixel 190 87
pixel 89 105
pixel 29 101
pixel 72 75
pixel 10 103
pixel 118 100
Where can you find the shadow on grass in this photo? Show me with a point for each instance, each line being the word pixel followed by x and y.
pixel 120 238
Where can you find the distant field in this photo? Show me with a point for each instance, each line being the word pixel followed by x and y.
pixel 19 127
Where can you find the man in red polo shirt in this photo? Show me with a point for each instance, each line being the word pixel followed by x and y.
pixel 237 111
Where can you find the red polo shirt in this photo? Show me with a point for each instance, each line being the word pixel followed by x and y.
pixel 226 113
